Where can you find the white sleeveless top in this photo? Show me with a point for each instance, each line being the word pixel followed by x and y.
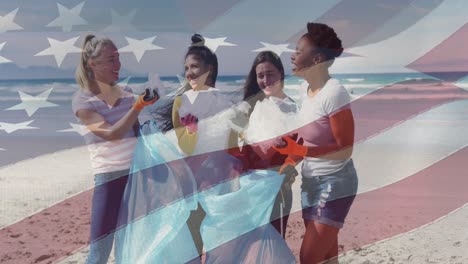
pixel 212 107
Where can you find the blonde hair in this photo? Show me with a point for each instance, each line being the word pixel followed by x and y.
pixel 91 48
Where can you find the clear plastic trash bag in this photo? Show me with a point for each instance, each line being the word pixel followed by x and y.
pixel 159 196
pixel 236 227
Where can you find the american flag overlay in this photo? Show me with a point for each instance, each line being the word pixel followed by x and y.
pixel 405 66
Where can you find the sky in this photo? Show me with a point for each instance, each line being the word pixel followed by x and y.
pixel 378 36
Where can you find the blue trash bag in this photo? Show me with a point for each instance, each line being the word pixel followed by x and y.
pixel 158 198
pixel 236 227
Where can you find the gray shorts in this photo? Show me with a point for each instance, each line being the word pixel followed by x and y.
pixel 327 199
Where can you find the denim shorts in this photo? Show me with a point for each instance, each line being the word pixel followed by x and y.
pixel 327 199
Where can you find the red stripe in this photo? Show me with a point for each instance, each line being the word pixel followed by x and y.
pixel 50 234
pixel 448 60
pixel 401 207
pixel 63 228
pixel 43 235
pixel 393 104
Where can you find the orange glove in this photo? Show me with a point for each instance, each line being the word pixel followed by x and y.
pixel 190 122
pixel 291 148
pixel 146 99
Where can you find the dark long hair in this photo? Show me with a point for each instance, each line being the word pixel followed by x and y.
pixel 162 113
pixel 204 54
pixel 252 92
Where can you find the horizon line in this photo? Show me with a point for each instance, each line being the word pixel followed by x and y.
pixel 224 75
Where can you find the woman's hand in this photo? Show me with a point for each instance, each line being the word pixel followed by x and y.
pixel 190 122
pixel 291 147
pixel 146 99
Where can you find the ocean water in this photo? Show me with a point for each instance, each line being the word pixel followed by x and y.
pixel 63 89
pixel 46 138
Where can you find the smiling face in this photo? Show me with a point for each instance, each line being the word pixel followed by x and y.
pixel 304 58
pixel 269 79
pixel 196 72
pixel 106 66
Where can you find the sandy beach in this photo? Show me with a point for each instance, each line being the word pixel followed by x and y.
pixel 402 63
pixel 401 214
pixel 410 182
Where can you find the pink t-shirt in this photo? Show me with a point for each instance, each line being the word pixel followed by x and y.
pixel 107 156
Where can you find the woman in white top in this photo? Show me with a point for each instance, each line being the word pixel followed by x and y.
pixel 160 194
pixel 237 226
pixel 238 207
pixel 271 113
pixel 326 126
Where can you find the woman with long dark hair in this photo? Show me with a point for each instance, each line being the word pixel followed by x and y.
pixel 239 208
pixel 161 217
pixel 227 211
pixel 271 111
pixel 200 130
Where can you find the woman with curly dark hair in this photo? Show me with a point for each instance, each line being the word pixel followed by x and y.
pixel 326 125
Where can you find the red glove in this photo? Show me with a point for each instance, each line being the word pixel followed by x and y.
pixel 145 99
pixel 291 148
pixel 190 122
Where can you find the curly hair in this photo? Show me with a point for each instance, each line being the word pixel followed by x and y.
pixel 324 37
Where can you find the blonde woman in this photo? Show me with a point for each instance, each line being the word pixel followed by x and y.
pixel 110 112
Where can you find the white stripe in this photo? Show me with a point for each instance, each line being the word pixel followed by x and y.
pixel 421 149
pixel 271 20
pixel 391 55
